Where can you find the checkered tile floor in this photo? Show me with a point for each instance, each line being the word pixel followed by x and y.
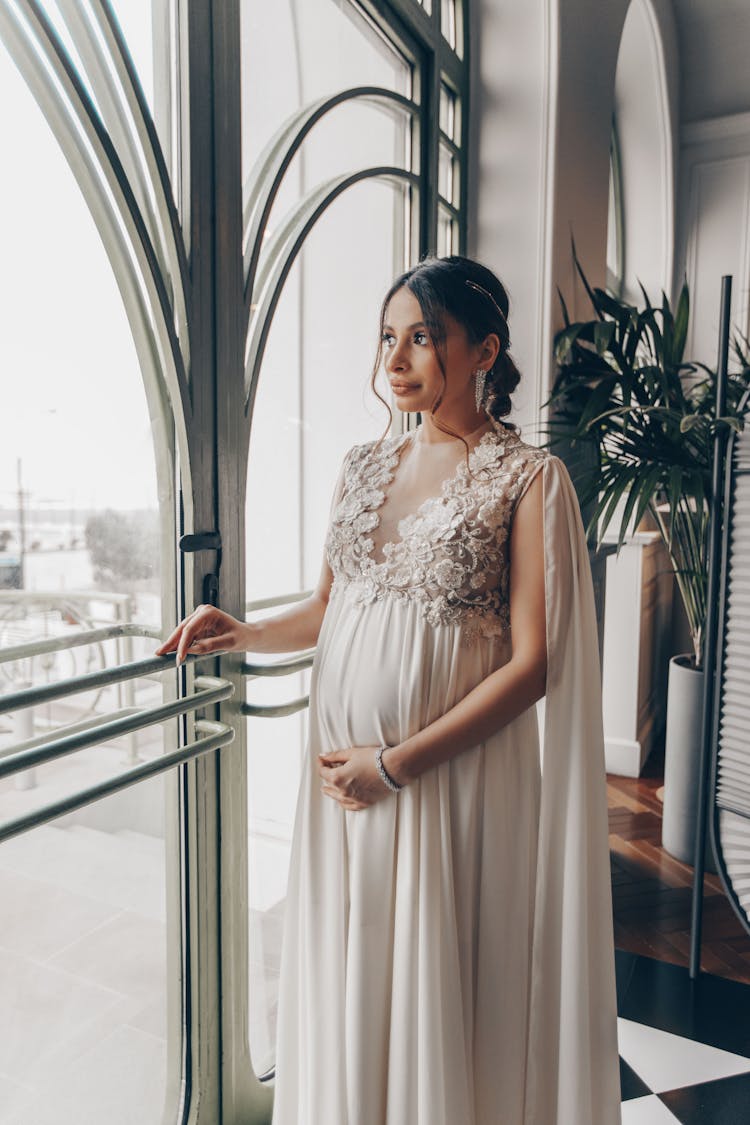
pixel 684 1045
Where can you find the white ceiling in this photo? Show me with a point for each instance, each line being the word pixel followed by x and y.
pixel 714 45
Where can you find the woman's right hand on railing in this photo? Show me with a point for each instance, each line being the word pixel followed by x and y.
pixel 206 629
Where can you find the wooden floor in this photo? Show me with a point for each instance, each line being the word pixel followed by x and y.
pixel 652 890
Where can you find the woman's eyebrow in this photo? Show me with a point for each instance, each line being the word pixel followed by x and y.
pixel 419 324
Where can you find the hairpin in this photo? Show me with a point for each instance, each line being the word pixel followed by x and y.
pixel 486 293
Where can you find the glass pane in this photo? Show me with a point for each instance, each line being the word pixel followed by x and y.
pixel 140 21
pixel 448 175
pixel 448 113
pixel 83 993
pixel 447 233
pixel 84 982
pixel 450 23
pixel 294 55
pixel 274 761
pixel 313 403
pixel 143 25
pixel 147 28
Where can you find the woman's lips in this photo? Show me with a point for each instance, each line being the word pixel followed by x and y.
pixel 403 388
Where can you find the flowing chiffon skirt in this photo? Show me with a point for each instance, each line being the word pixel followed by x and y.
pixel 406 955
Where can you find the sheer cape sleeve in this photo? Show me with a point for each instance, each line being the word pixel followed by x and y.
pixel 573 1063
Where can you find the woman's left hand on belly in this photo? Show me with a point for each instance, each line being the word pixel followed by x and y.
pixel 351 777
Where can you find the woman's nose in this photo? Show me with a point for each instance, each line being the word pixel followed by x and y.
pixel 397 360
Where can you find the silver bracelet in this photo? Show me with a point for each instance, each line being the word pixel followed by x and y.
pixel 389 781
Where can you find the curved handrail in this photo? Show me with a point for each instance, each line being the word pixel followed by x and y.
pixel 45 693
pixel 75 640
pixel 281 667
pixel 274 710
pixel 276 599
pixel 217 736
pixel 210 689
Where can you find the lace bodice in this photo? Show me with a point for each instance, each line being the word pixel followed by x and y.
pixel 451 557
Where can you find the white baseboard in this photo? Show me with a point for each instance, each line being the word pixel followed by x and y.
pixel 625 757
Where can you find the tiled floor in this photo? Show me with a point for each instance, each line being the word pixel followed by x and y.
pixel 684 1045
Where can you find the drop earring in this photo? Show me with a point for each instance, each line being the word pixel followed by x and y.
pixel 480 375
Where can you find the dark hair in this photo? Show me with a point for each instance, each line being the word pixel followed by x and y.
pixel 473 296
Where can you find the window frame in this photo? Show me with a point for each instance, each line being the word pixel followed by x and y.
pixel 190 321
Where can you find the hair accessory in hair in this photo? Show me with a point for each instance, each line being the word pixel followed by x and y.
pixel 486 293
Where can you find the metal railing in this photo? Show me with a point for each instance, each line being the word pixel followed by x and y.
pixel 82 608
pixel 49 749
pixel 217 735
pixel 90 636
pixel 286 667
pixel 43 749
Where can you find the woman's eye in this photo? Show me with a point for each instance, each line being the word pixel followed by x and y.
pixel 387 339
pixel 420 338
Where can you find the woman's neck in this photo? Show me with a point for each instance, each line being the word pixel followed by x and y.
pixel 431 434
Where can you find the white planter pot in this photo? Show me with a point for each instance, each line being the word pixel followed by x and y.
pixel 682 762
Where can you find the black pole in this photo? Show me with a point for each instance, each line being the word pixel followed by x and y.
pixel 709 639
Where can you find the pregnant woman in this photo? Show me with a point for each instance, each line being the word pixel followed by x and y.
pixel 447 956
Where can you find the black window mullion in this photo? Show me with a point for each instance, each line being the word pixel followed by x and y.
pixel 419 34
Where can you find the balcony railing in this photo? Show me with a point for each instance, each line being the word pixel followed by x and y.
pixel 39 750
pixel 290 664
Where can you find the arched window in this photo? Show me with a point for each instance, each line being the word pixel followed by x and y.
pixel 352 168
pixel 641 212
pixel 215 197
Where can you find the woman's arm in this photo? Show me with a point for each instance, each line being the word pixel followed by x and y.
pixel 208 629
pixel 507 692
pixel 297 627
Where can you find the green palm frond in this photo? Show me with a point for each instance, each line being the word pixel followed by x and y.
pixel 638 424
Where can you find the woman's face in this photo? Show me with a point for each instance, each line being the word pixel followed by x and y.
pixel 411 363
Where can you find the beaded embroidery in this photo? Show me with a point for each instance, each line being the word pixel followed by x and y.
pixel 452 555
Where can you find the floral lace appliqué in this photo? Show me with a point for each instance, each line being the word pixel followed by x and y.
pixel 452 556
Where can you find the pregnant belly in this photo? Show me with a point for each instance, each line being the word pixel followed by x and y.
pixel 382 673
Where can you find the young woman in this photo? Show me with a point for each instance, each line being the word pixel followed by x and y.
pixel 448 953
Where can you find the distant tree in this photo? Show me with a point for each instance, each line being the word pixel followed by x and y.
pixel 124 546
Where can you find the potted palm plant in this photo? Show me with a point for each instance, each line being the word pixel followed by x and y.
pixel 638 423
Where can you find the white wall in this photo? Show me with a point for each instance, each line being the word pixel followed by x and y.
pixel 543 91
pixel 512 65
pixel 713 229
pixel 713 41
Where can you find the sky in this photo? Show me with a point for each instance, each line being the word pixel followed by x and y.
pixel 72 405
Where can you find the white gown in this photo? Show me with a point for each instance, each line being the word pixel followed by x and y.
pixel 447 955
